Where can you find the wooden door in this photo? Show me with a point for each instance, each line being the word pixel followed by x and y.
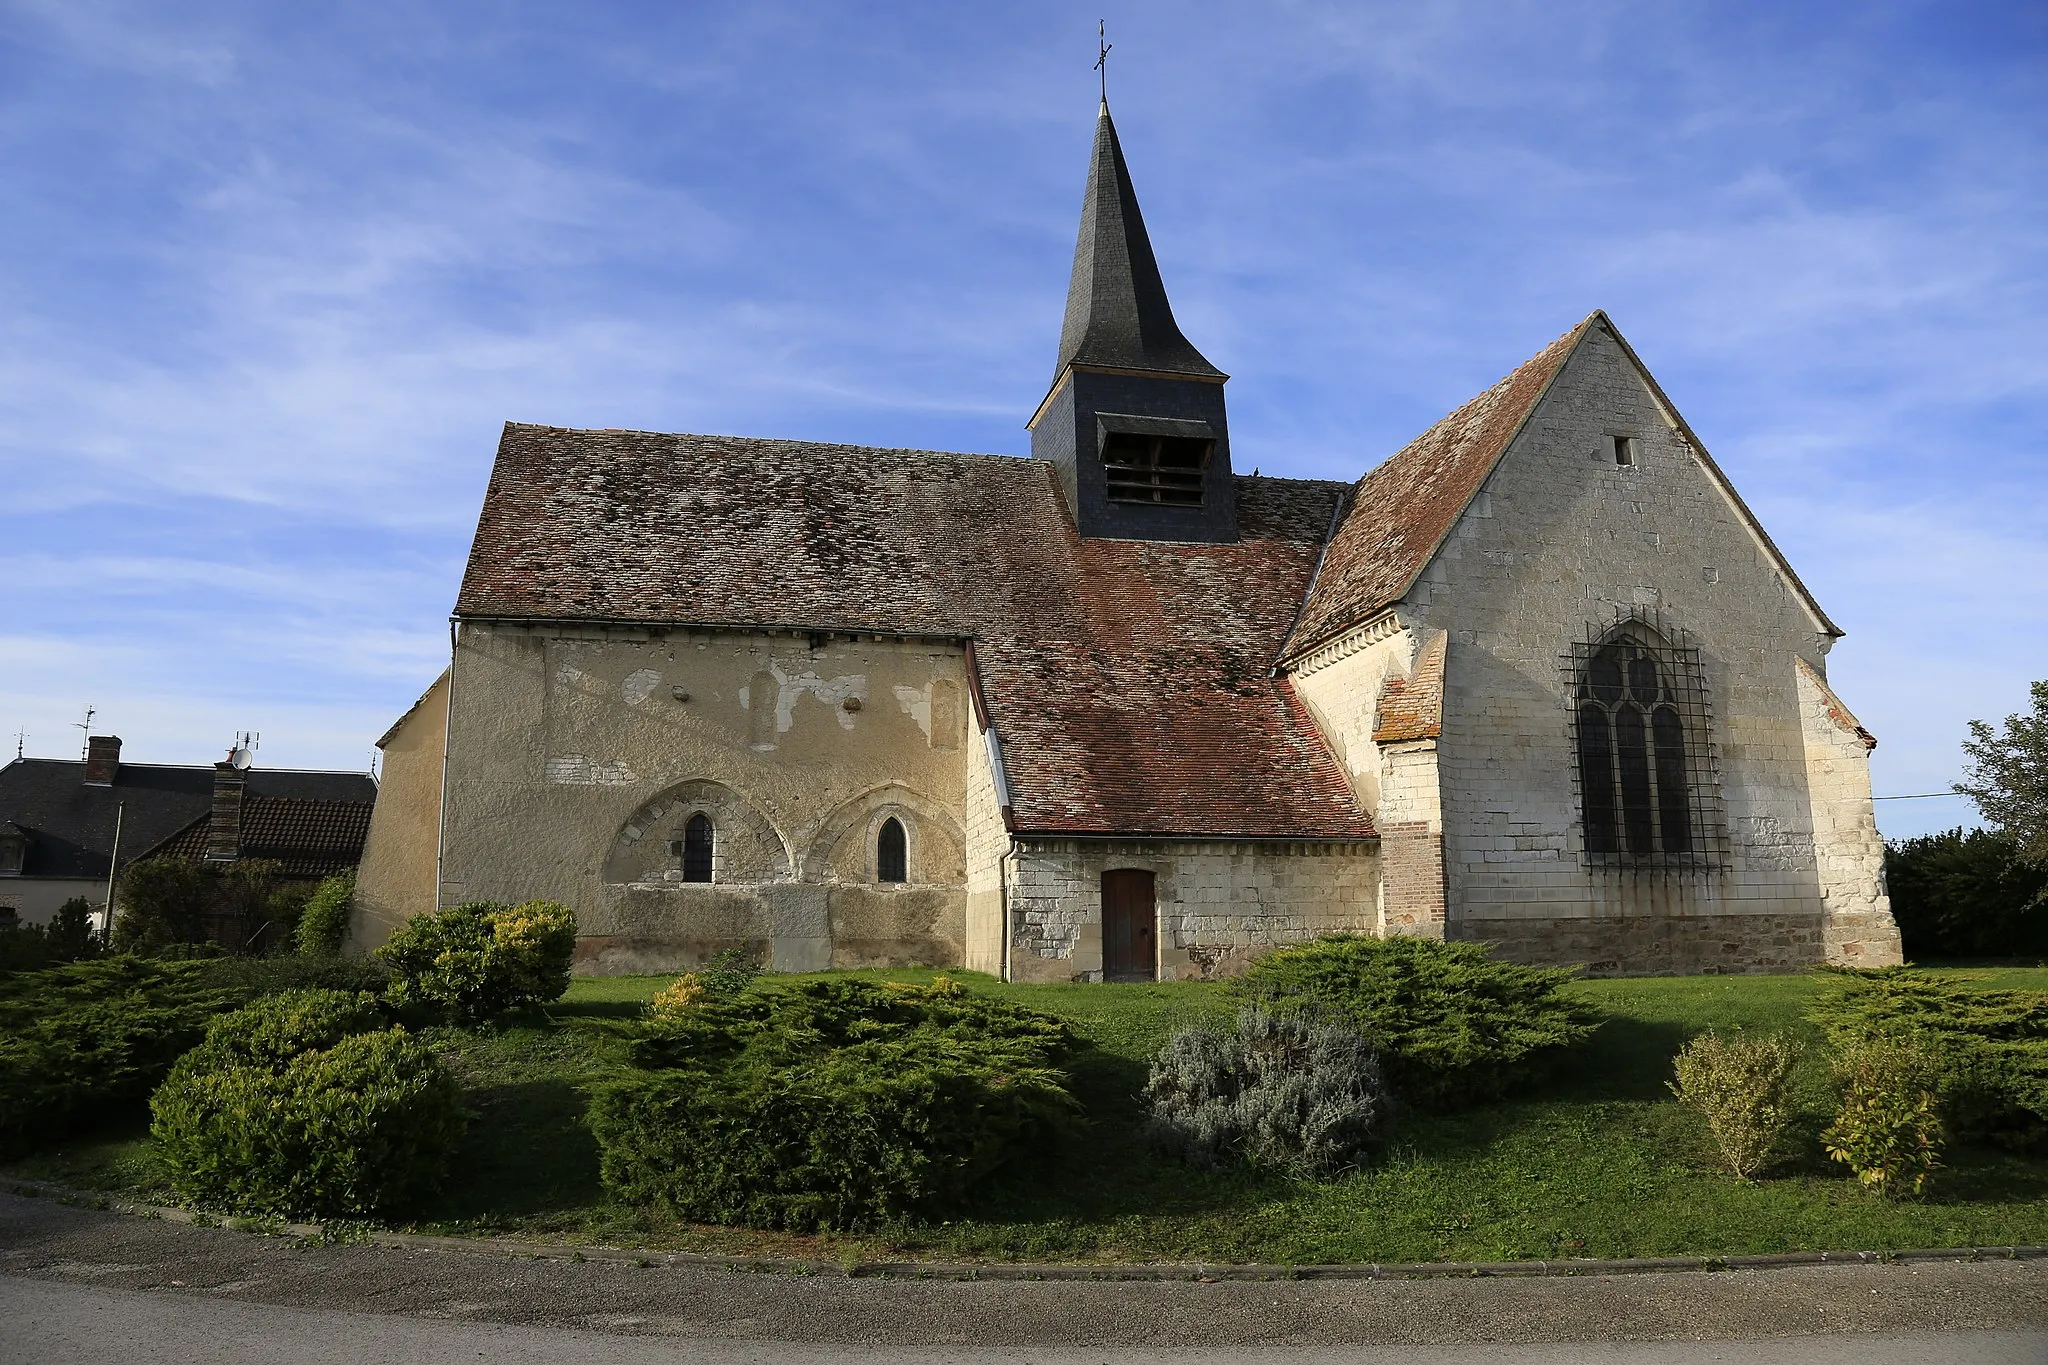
pixel 1129 924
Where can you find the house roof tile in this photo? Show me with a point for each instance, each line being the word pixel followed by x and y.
pixel 307 838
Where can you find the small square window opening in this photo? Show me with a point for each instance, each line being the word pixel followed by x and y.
pixel 1624 450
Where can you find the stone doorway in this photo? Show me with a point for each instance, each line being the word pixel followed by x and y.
pixel 1130 926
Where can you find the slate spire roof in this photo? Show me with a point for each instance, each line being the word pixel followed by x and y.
pixel 1117 313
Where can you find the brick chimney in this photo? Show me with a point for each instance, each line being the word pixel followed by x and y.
pixel 224 830
pixel 102 759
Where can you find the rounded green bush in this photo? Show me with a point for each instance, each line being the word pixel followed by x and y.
pixel 835 1104
pixel 480 959
pixel 303 1104
pixel 1452 1025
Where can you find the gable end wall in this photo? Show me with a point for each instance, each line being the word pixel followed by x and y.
pixel 1562 540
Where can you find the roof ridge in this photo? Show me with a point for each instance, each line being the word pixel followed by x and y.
pixel 767 440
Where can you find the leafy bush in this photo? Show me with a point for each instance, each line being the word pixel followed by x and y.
pixel 481 959
pixel 1453 1026
pixel 1965 893
pixel 834 1103
pixel 1739 1086
pixel 86 1043
pixel 730 971
pixel 323 924
pixel 1989 1048
pixel 1888 1131
pixel 242 906
pixel 303 1103
pixel 1288 1092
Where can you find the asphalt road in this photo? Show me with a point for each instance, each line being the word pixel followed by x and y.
pixel 111 1289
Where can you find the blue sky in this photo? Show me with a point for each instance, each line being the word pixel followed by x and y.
pixel 274 274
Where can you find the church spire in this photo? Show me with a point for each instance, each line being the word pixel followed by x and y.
pixel 1117 313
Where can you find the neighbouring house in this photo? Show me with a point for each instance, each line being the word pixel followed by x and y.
pixel 1538 679
pixel 58 819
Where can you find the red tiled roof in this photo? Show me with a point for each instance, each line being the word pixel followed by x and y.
pixel 309 838
pixel 1401 511
pixel 1130 681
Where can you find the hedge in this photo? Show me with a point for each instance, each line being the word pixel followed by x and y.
pixel 831 1104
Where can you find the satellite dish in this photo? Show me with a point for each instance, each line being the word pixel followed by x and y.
pixel 240 758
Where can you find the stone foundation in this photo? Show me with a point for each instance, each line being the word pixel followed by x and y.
pixel 1657 945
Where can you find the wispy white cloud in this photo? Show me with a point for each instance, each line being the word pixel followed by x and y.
pixel 274 277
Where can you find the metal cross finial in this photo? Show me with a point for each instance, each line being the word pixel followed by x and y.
pixel 1102 55
pixel 20 738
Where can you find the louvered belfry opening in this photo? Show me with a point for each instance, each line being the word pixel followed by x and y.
pixel 1648 793
pixel 1159 469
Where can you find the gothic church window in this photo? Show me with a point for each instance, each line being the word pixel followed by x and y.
pixel 892 856
pixel 1639 720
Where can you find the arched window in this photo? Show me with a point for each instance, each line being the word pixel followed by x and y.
pixel 697 848
pixel 1638 708
pixel 891 855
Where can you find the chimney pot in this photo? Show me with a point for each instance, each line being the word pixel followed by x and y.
pixel 224 829
pixel 102 759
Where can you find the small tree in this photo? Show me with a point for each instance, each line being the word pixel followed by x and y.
pixel 1739 1086
pixel 164 901
pixel 2008 776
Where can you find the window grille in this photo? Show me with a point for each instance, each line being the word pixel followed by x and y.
pixel 891 853
pixel 1649 796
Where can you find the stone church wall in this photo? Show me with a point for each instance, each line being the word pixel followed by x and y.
pixel 1860 929
pixel 1563 540
pixel 578 755
pixel 1220 903
pixel 988 851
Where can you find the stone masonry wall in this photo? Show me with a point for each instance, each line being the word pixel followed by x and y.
pixel 576 757
pixel 1221 904
pixel 988 846
pixel 1563 540
pixel 1860 929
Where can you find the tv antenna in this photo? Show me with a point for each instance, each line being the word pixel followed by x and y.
pixel 1102 55
pixel 85 740
pixel 244 752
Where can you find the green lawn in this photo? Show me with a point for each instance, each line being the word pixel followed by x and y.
pixel 1602 1163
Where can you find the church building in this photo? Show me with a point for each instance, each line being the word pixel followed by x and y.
pixel 1120 712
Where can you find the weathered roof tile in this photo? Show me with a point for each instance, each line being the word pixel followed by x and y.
pixel 1130 681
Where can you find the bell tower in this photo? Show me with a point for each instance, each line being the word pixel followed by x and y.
pixel 1134 420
